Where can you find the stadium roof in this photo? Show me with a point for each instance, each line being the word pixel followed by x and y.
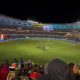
pixel 5 20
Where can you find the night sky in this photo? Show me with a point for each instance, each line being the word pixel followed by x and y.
pixel 52 12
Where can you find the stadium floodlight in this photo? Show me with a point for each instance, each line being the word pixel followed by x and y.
pixel 32 21
pixel 78 22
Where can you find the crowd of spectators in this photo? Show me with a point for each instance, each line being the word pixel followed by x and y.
pixel 34 32
pixel 22 33
pixel 54 70
pixel 29 31
pixel 19 70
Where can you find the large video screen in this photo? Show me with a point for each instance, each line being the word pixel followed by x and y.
pixel 48 27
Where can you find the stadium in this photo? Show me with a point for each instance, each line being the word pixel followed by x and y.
pixel 38 41
pixel 26 46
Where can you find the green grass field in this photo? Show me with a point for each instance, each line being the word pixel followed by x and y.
pixel 40 51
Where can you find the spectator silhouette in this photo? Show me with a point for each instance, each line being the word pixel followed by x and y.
pixel 4 72
pixel 74 71
pixel 15 61
pixel 57 70
pixel 21 63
